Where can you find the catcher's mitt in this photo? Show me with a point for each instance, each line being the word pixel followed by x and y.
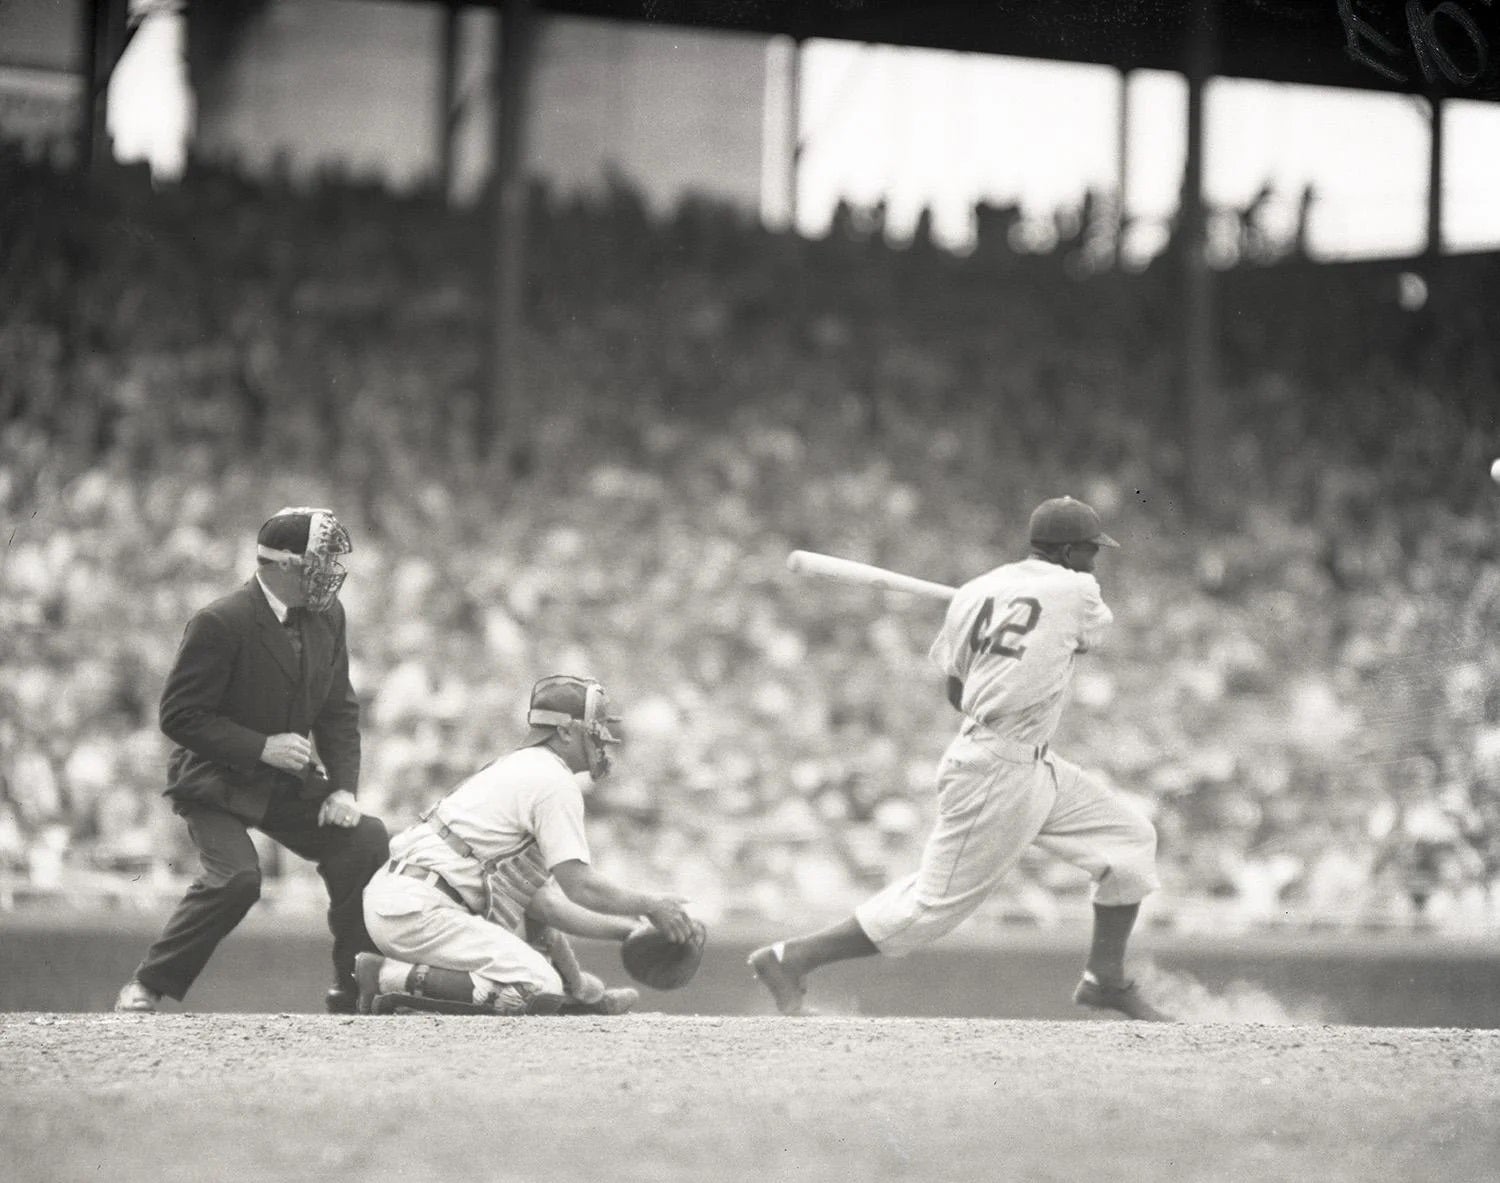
pixel 654 960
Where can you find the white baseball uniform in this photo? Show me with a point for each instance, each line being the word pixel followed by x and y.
pixel 521 815
pixel 1011 637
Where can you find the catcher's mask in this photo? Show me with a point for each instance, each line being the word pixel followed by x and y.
pixel 563 699
pixel 314 539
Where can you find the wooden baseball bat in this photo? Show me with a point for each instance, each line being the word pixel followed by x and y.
pixel 810 562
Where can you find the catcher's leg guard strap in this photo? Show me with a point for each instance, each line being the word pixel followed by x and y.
pixel 449 985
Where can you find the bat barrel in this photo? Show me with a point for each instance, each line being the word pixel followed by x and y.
pixel 808 562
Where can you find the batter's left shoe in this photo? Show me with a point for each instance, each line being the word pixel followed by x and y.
pixel 1127 999
pixel 789 992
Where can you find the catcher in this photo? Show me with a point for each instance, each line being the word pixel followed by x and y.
pixel 472 910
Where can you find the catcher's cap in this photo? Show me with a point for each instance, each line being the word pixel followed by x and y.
pixel 562 698
pixel 1062 520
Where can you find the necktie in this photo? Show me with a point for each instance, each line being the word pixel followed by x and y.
pixel 293 628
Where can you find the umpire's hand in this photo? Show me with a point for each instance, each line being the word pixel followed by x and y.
pixel 339 809
pixel 288 751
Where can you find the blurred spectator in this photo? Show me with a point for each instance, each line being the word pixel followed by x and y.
pixel 710 396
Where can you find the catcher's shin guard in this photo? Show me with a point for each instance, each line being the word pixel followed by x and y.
pixel 444 985
pixel 507 1001
pixel 405 1004
pixel 617 1000
pixel 434 990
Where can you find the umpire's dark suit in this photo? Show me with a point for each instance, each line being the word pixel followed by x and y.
pixel 237 679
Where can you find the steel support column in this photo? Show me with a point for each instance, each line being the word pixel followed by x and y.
pixel 1200 394
pixel 1122 167
pixel 105 31
pixel 446 121
pixel 505 420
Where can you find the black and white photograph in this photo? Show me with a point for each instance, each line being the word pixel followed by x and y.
pixel 819 590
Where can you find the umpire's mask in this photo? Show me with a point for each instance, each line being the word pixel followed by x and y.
pixel 315 539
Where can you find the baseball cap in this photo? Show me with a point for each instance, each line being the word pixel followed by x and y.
pixel 562 694
pixel 1062 520
pixel 560 697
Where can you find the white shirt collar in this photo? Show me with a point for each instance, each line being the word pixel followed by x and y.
pixel 276 605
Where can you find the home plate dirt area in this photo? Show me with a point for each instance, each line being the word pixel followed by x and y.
pixel 673 1097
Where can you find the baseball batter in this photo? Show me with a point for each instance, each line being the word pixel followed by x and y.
pixel 1008 646
pixel 472 908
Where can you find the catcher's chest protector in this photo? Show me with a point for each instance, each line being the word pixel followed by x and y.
pixel 510 878
pixel 509 883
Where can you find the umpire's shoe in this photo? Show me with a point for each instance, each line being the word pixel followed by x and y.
pixel 341 1000
pixel 136 998
pixel 1126 998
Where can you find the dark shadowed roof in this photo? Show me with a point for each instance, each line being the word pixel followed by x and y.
pixel 1366 44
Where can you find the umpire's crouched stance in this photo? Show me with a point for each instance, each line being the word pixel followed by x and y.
pixel 257 672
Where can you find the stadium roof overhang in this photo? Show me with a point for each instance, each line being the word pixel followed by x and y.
pixel 1365 44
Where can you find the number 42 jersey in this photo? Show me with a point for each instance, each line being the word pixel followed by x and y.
pixel 1011 637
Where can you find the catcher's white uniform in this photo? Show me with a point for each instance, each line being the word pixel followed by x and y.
pixel 520 816
pixel 1011 637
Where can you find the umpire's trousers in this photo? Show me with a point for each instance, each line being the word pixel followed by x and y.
pixel 230 884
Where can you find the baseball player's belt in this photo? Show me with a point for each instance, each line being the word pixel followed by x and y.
pixel 427 875
pixel 1011 749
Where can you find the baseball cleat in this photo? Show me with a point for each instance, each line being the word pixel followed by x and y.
pixel 136 998
pixel 541 1002
pixel 1127 999
pixel 789 991
pixel 367 981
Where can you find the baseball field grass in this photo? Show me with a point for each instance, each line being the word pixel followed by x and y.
pixel 1333 1058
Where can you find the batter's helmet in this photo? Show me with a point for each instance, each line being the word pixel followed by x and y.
pixel 1063 520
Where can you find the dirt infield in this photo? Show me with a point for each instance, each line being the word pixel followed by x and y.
pixel 670 1097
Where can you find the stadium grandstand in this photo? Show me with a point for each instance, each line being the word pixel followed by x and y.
pixel 1303 687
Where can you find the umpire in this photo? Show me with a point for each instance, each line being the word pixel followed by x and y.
pixel 257 673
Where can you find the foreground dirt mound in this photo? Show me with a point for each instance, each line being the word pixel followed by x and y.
pixel 261 1097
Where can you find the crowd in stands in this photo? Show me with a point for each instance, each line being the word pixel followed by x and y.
pixel 1302 687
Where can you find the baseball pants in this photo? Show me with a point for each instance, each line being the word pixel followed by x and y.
pixel 230 884
pixel 995 798
pixel 415 922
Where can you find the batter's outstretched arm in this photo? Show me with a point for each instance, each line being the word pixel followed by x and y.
pixel 589 889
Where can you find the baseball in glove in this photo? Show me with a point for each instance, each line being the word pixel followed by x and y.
pixel 654 959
